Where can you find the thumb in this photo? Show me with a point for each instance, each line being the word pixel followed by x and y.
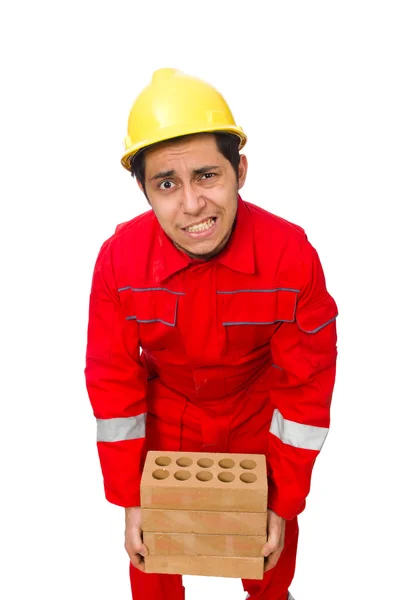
pixel 138 543
pixel 272 540
pixel 143 551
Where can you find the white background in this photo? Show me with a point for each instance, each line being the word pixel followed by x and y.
pixel 314 86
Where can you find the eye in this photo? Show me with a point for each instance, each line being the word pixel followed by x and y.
pixel 209 176
pixel 166 185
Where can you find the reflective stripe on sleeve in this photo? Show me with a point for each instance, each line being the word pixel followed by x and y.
pixel 116 430
pixel 306 437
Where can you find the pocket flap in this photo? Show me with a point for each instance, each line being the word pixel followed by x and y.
pixel 258 307
pixel 155 306
pixel 316 316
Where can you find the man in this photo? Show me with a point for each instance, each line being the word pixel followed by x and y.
pixel 210 326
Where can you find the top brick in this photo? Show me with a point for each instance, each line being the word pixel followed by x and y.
pixel 204 481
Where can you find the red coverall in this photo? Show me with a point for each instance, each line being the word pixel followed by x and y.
pixel 236 354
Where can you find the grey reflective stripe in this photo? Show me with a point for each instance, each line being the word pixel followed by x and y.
pixel 318 328
pixel 116 430
pixel 262 291
pixel 134 318
pixel 159 289
pixel 157 321
pixel 257 322
pixel 290 596
pixel 153 320
pixel 295 434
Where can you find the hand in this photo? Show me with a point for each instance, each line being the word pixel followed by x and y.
pixel 134 545
pixel 275 540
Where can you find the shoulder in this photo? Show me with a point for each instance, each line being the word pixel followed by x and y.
pixel 281 246
pixel 131 234
pixel 135 225
pixel 267 222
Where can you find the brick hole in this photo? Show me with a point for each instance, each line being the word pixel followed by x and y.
pixel 182 475
pixel 204 475
pixel 226 463
pixel 184 462
pixel 226 477
pixel 248 464
pixel 248 477
pixel 163 461
pixel 160 474
pixel 205 463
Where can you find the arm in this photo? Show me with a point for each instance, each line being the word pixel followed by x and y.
pixel 116 384
pixel 304 355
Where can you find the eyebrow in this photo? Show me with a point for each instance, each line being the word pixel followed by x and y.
pixel 199 171
pixel 162 174
pixel 205 169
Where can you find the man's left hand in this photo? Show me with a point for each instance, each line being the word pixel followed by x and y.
pixel 275 540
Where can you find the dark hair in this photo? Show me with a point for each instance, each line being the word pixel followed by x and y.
pixel 227 144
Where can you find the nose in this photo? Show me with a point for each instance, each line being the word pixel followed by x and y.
pixel 193 202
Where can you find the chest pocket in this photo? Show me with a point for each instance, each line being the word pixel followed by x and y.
pixel 250 317
pixel 155 311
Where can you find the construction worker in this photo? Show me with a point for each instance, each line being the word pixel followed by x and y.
pixel 210 326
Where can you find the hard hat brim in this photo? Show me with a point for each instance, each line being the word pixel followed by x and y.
pixel 174 132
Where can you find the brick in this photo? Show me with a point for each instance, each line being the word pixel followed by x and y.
pixel 202 521
pixel 210 566
pixel 204 481
pixel 191 544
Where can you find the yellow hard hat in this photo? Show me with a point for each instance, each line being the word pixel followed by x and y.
pixel 176 104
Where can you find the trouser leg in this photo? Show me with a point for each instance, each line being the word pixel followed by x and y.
pixel 275 583
pixel 161 586
pixel 153 586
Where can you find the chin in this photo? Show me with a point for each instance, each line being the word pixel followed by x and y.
pixel 204 248
pixel 204 252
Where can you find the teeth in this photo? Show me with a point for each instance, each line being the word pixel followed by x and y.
pixel 202 226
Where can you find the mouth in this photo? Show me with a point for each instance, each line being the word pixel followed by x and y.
pixel 201 226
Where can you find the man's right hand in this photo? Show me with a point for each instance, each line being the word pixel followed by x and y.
pixel 134 545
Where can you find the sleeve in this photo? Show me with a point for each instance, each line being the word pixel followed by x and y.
pixel 116 385
pixel 304 354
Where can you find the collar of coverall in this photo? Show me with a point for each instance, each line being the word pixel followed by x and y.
pixel 238 254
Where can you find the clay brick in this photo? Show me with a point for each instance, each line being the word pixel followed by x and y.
pixel 191 544
pixel 202 521
pixel 204 481
pixel 210 566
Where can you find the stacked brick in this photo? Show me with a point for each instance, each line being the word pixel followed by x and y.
pixel 204 513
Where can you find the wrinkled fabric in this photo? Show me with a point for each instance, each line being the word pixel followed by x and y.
pixel 234 339
pixel 275 583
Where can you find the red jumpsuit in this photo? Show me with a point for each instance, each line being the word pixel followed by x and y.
pixel 236 354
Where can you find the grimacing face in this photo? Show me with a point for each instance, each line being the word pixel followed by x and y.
pixel 193 189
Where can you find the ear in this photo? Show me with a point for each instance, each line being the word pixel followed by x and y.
pixel 242 170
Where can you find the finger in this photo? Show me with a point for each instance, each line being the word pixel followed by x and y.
pixel 136 554
pixel 143 550
pixel 137 542
pixel 138 563
pixel 271 548
pixel 140 553
pixel 272 560
pixel 273 537
pixel 272 543
pixel 268 549
pixel 136 538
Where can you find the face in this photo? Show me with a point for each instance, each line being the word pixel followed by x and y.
pixel 193 190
